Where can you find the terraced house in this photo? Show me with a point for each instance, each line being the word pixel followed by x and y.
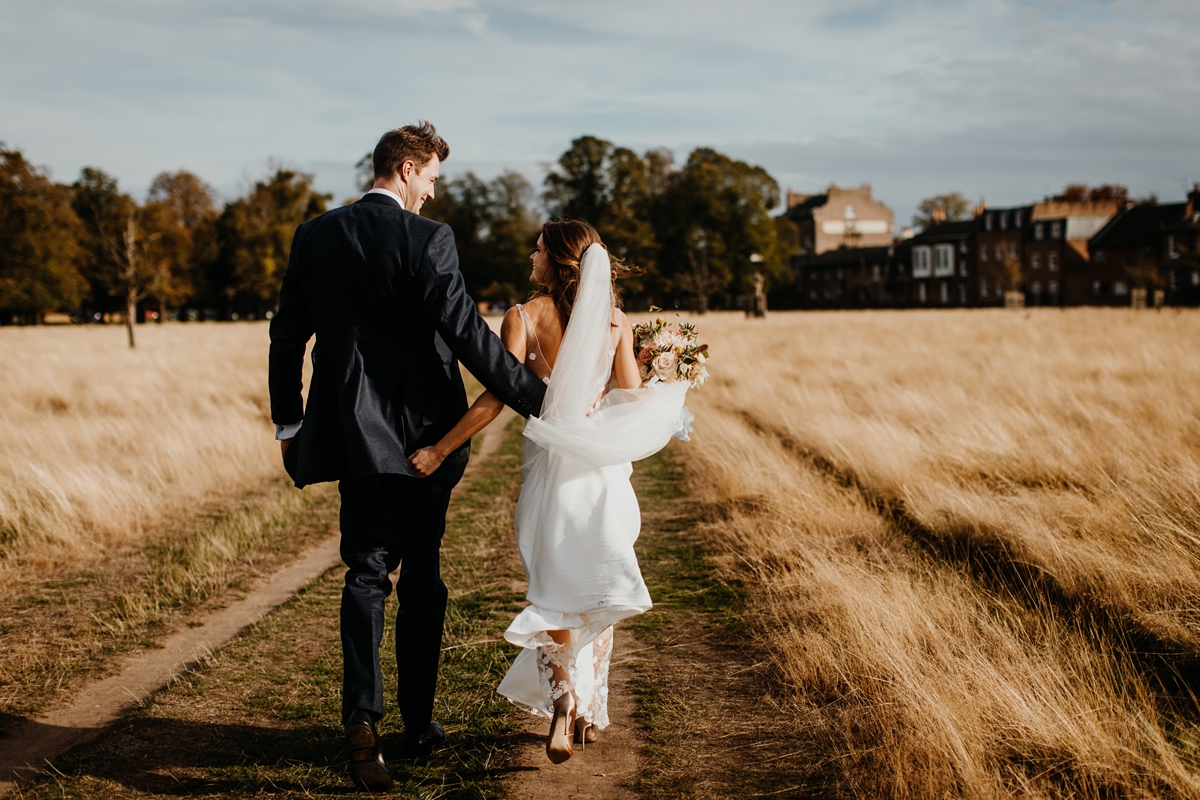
pixel 1151 247
pixel 1079 248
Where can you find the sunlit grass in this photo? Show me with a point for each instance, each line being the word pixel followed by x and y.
pixel 973 537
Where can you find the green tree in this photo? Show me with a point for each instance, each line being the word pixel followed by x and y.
pixel 39 241
pixel 613 188
pixel 181 210
pixel 254 238
pixel 1106 192
pixel 100 206
pixel 714 223
pixel 117 242
pixel 949 207
pixel 495 227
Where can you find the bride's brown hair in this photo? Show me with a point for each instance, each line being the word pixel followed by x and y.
pixel 566 241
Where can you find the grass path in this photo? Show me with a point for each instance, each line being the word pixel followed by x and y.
pixel 260 716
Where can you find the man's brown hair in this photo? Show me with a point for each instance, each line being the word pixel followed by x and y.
pixel 415 143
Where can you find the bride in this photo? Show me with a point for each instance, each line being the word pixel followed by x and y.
pixel 577 517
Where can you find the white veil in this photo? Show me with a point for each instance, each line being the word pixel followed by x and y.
pixel 626 424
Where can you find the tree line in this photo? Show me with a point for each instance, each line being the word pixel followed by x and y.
pixel 701 230
pixel 91 250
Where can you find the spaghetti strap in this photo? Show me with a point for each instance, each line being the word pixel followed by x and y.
pixel 533 347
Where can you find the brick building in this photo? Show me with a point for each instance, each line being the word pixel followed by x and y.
pixel 1001 236
pixel 849 277
pixel 1057 263
pixel 1148 246
pixel 1181 253
pixel 942 265
pixel 839 218
pixel 1059 252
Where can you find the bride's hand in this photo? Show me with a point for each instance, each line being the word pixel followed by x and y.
pixel 426 461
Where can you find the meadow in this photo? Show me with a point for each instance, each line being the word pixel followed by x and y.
pixel 136 487
pixel 98 441
pixel 971 541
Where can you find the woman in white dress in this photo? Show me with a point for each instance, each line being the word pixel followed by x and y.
pixel 577 517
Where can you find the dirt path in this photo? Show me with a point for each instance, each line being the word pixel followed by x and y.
pixel 30 744
pixel 605 769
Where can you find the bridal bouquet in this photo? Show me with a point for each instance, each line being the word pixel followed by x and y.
pixel 669 352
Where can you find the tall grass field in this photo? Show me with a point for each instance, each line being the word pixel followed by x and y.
pixel 972 541
pixel 98 441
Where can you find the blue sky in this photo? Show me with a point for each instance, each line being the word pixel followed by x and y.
pixel 1000 99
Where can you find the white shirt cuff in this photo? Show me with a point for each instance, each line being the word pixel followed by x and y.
pixel 287 431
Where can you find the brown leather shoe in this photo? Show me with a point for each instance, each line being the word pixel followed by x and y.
pixel 367 767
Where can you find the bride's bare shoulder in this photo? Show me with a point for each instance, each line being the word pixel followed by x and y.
pixel 540 304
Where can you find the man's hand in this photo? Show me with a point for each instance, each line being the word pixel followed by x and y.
pixel 426 461
pixel 283 446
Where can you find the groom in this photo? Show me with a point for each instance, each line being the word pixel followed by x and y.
pixel 381 289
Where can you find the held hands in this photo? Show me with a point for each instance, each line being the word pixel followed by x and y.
pixel 426 461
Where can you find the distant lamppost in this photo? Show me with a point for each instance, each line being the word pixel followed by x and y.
pixel 758 304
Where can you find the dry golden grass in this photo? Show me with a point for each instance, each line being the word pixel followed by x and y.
pixel 972 541
pixel 135 487
pixel 98 441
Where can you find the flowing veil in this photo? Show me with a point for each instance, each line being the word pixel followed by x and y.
pixel 623 425
pixel 577 518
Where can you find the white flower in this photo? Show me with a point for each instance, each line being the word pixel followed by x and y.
pixel 664 365
pixel 669 340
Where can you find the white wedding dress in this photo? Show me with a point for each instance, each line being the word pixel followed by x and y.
pixel 577 517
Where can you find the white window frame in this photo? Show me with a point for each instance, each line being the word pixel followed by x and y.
pixel 1052 261
pixel 1055 230
pixel 1038 232
pixel 943 262
pixel 1035 260
pixel 1120 289
pixel 983 287
pixel 922 263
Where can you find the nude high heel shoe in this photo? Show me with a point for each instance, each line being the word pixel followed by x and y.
pixel 585 732
pixel 562 725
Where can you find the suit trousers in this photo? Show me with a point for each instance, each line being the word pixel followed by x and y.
pixel 391 521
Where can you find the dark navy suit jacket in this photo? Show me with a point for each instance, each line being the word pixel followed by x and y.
pixel 381 289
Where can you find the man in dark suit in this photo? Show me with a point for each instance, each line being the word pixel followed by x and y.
pixel 381 289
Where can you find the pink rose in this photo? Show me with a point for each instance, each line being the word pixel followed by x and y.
pixel 664 366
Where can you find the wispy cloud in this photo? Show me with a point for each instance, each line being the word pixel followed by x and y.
pixel 991 97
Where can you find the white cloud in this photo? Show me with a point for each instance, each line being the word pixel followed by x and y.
pixel 988 96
